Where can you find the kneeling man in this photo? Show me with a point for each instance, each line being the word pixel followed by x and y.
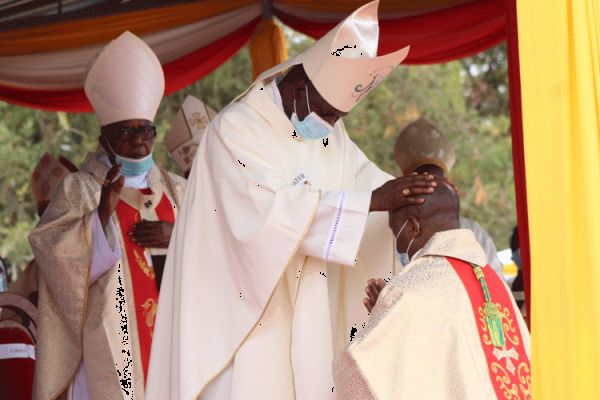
pixel 446 327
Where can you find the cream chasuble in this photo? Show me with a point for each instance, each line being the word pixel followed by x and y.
pixel 424 342
pixel 265 273
pixel 82 318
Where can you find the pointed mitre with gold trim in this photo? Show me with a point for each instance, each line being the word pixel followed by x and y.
pixel 343 65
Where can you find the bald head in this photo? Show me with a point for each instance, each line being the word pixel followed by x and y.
pixel 440 212
pixel 443 203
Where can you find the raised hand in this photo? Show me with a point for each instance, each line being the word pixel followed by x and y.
pixel 109 196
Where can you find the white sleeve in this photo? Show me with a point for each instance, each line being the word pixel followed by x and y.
pixel 79 387
pixel 338 226
pixel 105 252
pixel 341 218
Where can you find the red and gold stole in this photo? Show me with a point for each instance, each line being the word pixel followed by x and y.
pixel 508 366
pixel 143 278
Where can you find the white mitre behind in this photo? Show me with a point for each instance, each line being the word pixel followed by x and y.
pixel 343 65
pixel 126 81
pixel 187 128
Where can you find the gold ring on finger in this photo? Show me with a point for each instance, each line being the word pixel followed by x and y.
pixel 406 191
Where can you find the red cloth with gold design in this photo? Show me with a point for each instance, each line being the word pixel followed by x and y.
pixel 143 277
pixel 509 367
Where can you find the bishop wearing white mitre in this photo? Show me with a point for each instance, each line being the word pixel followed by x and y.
pixel 264 278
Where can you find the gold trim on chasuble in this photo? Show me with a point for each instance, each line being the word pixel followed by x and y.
pixel 143 265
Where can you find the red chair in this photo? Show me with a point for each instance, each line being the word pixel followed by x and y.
pixel 17 346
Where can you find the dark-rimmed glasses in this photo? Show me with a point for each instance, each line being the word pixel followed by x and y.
pixel 127 133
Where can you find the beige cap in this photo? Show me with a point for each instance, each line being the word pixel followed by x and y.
pixel 187 128
pixel 343 65
pixel 126 81
pixel 421 143
pixel 46 176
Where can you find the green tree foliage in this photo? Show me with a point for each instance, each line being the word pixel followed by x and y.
pixel 467 99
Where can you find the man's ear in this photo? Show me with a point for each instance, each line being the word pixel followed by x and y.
pixel 415 226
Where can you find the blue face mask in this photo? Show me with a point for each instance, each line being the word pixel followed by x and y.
pixel 404 258
pixel 133 166
pixel 312 127
pixel 516 257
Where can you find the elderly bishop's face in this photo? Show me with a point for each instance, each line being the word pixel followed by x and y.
pixel 132 138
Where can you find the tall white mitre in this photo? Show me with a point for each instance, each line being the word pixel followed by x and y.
pixel 125 81
pixel 187 128
pixel 343 65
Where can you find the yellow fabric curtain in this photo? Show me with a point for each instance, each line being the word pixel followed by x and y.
pixel 559 48
pixel 267 47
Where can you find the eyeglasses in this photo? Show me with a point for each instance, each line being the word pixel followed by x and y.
pixel 127 133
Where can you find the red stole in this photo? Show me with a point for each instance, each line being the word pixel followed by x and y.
pixel 509 367
pixel 143 279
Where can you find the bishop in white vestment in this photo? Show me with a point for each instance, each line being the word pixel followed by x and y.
pixel 264 276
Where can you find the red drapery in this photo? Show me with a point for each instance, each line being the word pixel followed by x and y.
pixel 178 74
pixel 435 37
pixel 516 119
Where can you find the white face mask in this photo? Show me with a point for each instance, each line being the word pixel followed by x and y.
pixel 404 258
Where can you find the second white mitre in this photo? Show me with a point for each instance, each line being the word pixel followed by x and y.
pixel 187 128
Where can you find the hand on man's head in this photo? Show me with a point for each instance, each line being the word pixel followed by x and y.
pixel 403 191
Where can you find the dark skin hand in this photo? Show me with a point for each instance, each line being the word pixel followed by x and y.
pixel 155 234
pixel 401 192
pixel 373 290
pixel 109 196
